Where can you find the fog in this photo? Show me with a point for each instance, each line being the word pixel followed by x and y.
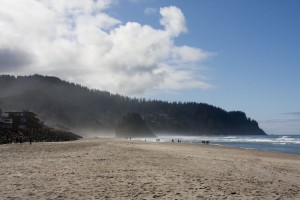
pixel 90 133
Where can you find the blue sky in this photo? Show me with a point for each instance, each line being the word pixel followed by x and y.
pixel 256 66
pixel 237 55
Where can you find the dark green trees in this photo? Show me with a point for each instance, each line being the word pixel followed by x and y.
pixel 74 107
pixel 132 125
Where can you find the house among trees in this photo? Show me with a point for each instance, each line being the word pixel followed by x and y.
pixel 5 120
pixel 19 120
pixel 26 125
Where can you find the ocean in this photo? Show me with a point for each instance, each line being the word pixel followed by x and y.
pixel 280 143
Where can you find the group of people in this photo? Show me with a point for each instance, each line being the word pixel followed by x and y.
pixel 179 141
pixel 205 142
pixel 20 139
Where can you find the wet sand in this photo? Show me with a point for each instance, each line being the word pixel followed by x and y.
pixel 119 169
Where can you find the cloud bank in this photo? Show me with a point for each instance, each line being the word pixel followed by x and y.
pixel 79 42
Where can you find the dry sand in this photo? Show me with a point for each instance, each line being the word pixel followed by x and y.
pixel 117 169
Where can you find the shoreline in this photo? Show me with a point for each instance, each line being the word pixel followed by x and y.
pixel 280 143
pixel 124 169
pixel 260 152
pixel 213 145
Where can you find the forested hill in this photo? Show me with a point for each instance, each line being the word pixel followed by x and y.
pixel 74 107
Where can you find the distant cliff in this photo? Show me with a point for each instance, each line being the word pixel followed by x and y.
pixel 74 107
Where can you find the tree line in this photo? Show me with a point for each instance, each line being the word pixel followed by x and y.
pixel 72 106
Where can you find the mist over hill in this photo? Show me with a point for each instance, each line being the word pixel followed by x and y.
pixel 74 107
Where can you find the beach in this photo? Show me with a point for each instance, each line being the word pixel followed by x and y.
pixel 123 169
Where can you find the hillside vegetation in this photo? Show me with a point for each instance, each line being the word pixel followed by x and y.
pixel 74 107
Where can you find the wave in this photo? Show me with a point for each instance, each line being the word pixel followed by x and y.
pixel 281 143
pixel 249 139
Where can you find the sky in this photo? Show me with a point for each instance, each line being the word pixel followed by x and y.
pixel 237 55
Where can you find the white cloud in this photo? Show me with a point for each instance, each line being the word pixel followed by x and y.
pixel 150 11
pixel 139 1
pixel 173 20
pixel 78 41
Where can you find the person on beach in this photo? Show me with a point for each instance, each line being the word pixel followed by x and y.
pixel 30 140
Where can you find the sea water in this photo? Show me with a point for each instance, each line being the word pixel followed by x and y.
pixel 281 143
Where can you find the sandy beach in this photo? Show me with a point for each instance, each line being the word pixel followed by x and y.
pixel 119 169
